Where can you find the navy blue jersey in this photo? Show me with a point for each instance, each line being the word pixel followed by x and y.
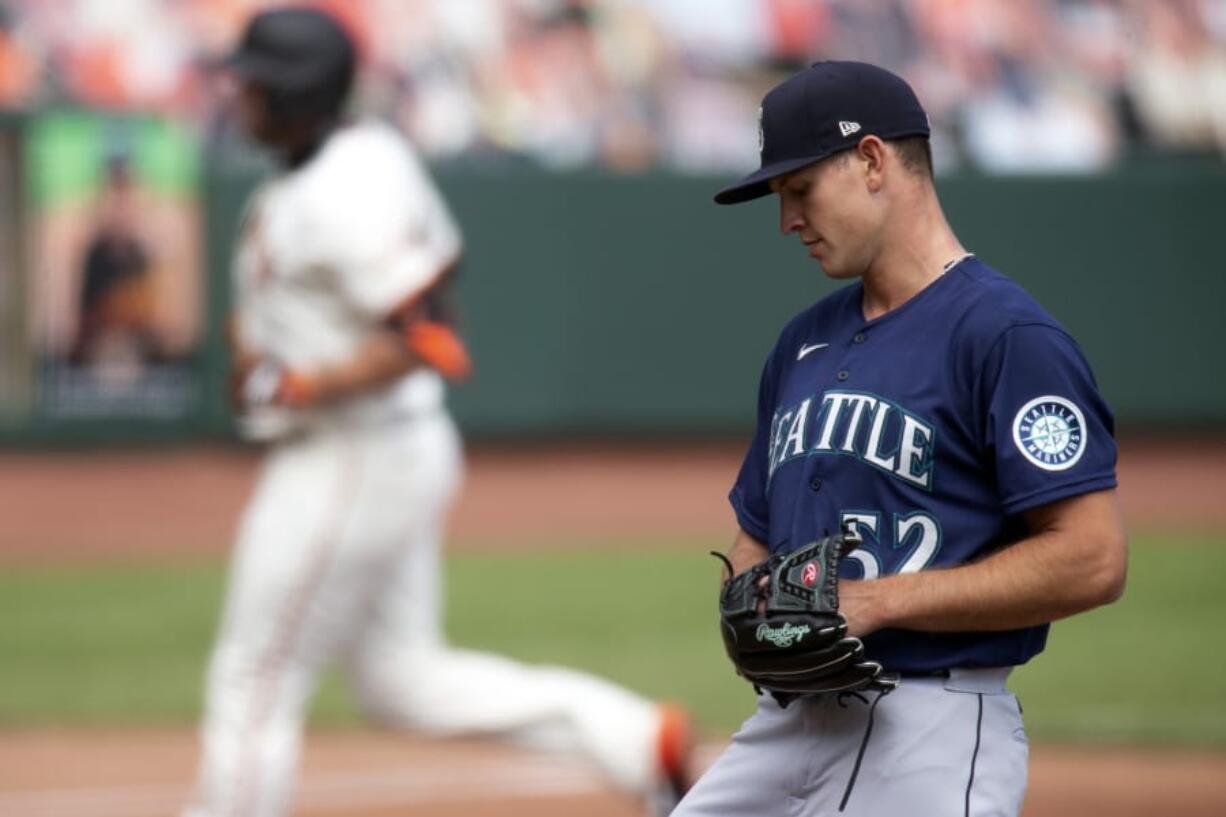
pixel 931 427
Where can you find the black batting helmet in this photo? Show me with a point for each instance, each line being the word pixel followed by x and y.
pixel 302 59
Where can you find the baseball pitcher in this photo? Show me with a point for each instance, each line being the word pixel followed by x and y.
pixel 931 482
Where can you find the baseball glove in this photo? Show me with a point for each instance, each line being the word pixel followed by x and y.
pixel 782 628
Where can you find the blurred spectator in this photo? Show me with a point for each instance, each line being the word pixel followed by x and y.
pixel 1011 85
pixel 876 31
pixel 18 66
pixel 1178 77
pixel 1026 111
pixel 116 336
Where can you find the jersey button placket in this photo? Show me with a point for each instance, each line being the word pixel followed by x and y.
pixel 844 373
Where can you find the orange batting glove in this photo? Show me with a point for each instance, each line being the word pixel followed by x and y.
pixel 296 390
pixel 437 345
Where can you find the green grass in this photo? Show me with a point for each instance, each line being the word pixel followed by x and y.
pixel 1150 668
pixel 106 644
pixel 126 644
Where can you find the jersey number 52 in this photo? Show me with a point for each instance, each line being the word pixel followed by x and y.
pixel 916 540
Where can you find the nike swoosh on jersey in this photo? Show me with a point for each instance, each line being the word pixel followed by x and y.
pixel 805 350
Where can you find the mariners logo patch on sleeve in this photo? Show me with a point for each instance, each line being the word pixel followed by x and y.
pixel 1050 431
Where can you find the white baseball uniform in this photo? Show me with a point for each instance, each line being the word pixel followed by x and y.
pixel 337 555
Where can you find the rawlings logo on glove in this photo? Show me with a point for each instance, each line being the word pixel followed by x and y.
pixel 783 636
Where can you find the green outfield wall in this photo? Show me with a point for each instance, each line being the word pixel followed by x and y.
pixel 631 304
pixel 635 304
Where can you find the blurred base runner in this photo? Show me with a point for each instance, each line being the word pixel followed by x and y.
pixel 342 336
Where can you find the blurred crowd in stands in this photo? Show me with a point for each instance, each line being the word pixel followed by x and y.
pixel 1011 85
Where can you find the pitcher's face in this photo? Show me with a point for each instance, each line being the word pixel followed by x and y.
pixel 830 206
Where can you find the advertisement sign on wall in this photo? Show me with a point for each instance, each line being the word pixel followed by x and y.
pixel 114 261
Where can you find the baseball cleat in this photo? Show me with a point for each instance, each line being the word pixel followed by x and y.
pixel 674 754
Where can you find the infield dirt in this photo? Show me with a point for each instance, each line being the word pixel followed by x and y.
pixel 166 502
pixel 371 774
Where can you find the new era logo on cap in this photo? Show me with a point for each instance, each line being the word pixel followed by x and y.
pixel 848 128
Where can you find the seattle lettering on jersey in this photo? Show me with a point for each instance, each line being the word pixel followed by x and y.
pixel 868 427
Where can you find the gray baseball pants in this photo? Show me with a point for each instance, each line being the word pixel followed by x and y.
pixel 932 747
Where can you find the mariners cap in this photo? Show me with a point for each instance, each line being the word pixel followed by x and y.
pixel 828 107
pixel 293 48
